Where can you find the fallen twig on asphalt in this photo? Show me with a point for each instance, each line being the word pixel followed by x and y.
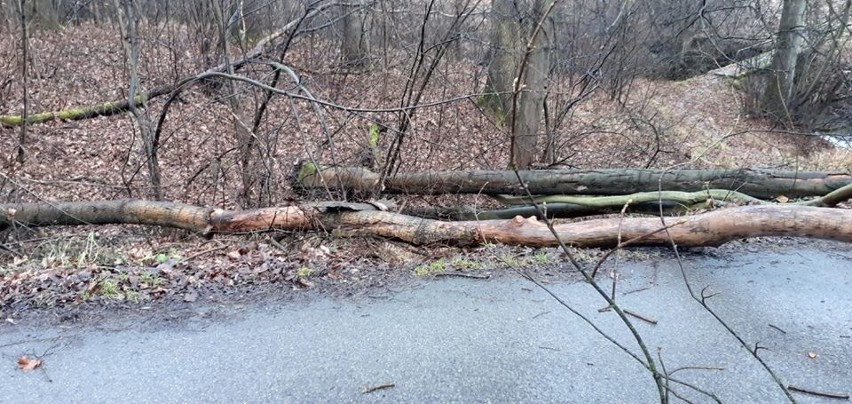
pixel 464 275
pixel 643 318
pixel 838 396
pixel 379 387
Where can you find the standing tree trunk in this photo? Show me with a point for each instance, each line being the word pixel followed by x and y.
pixel 513 24
pixel 253 192
pixel 779 93
pixel 46 12
pixel 128 17
pixel 354 47
pixel 22 138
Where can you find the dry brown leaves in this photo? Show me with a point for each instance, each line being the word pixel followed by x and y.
pixel 683 123
pixel 26 363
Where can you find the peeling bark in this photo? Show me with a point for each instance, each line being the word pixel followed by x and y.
pixel 367 220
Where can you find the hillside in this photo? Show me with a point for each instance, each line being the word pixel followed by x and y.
pixel 695 123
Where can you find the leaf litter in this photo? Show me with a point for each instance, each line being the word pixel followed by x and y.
pixel 131 266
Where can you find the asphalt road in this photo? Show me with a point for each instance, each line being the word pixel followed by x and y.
pixel 467 340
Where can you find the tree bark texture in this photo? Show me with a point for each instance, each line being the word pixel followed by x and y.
pixel 764 184
pixel 779 93
pixel 512 26
pixel 354 46
pixel 358 220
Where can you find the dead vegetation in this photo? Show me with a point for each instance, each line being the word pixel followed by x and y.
pixel 695 123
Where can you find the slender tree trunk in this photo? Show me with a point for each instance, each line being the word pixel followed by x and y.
pixel 779 93
pixel 21 155
pixel 6 13
pixel 128 23
pixel 46 13
pixel 252 192
pixel 513 24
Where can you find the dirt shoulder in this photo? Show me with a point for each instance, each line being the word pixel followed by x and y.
pixel 80 274
pixel 93 276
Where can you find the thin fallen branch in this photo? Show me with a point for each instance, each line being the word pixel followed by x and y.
pixel 379 387
pixel 462 275
pixel 838 396
pixel 641 317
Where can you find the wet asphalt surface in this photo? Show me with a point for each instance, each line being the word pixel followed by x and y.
pixel 469 340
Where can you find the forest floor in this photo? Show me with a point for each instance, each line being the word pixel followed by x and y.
pixel 696 123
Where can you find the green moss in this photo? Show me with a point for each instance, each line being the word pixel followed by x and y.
pixel 307 169
pixel 10 120
pixel 70 114
pixel 373 140
pixel 251 38
pixel 304 272
pixel 491 104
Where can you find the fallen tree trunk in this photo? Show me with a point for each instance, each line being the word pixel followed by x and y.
pixel 355 220
pixel 117 107
pixel 567 206
pixel 80 113
pixel 552 210
pixel 764 184
pixel 199 219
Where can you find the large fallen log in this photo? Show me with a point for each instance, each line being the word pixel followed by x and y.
pixel 204 220
pixel 743 68
pixel 764 184
pixel 355 220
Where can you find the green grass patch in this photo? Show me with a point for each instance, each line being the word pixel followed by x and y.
pixel 76 253
pixel 161 257
pixel 304 272
pixel 541 257
pixel 465 264
pixel 105 288
pixel 512 260
pixel 431 268
pixel 151 280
